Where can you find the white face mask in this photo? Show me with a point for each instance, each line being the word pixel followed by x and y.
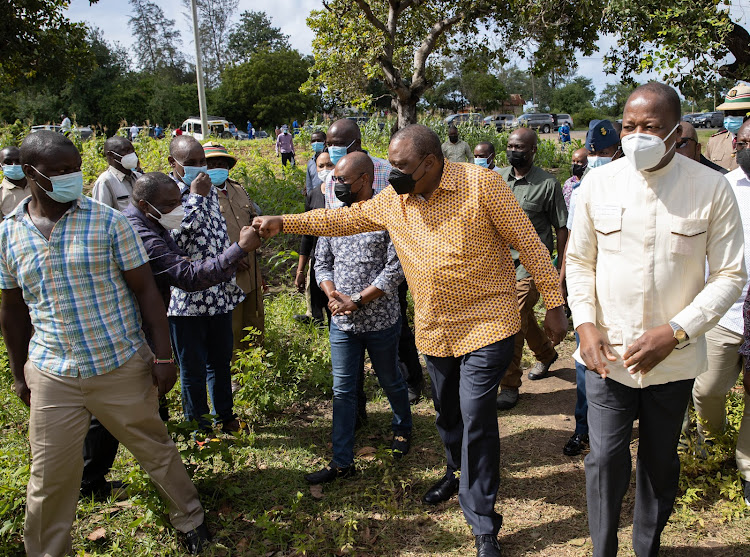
pixel 324 174
pixel 171 220
pixel 129 161
pixel 645 150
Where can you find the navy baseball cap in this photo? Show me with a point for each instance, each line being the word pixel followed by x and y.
pixel 601 135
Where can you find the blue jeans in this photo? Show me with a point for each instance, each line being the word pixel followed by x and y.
pixel 346 353
pixel 582 404
pixel 203 346
pixel 464 391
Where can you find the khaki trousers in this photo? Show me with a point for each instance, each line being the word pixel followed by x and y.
pixel 125 402
pixel 248 314
pixel 538 342
pixel 711 388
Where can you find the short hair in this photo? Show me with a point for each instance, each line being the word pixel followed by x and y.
pixel 361 163
pixel 526 133
pixel 348 128
pixel 41 143
pixel 487 144
pixel 425 141
pixel 452 128
pixel 147 185
pixel 665 93
pixel 11 149
pixel 115 142
pixel 180 142
pixel 319 132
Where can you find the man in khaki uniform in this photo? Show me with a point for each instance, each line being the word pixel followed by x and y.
pixel 736 106
pixel 238 210
pixel 114 186
pixel 13 188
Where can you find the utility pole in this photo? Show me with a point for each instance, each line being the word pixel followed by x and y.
pixel 199 72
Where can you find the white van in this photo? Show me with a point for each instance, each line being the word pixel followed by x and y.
pixel 218 127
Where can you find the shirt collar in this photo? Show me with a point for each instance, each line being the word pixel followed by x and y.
pixel 83 203
pixel 8 185
pixel 118 173
pixel 133 212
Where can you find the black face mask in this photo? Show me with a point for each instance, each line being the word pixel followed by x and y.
pixel 453 139
pixel 343 192
pixel 578 170
pixel 403 183
pixel 518 159
pixel 743 160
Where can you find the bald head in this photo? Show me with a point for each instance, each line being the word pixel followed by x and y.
pixel 345 133
pixel 580 156
pixel 663 97
pixel 421 139
pixel 526 135
pixel 356 164
pixel 182 144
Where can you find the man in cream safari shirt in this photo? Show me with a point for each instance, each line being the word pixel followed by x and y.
pixel 644 227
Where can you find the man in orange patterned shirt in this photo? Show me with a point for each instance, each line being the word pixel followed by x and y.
pixel 452 225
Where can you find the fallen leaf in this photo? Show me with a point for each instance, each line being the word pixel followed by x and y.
pixel 277 508
pixel 98 534
pixel 124 504
pixel 577 542
pixel 365 451
pixel 316 491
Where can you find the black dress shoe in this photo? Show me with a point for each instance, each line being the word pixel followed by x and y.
pixel 400 444
pixel 196 540
pixel 487 546
pixel 446 488
pixel 576 444
pixel 330 473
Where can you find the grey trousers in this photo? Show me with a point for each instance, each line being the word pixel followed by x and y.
pixel 464 391
pixel 612 409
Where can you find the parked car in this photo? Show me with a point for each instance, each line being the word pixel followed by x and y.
pixel 709 120
pixel 218 127
pixel 690 118
pixel 498 120
pixel 464 117
pixel 261 134
pixel 561 119
pixel 84 132
pixel 542 122
pixel 148 130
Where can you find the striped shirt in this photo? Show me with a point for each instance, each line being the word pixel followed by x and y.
pixel 455 252
pixel 86 320
pixel 379 182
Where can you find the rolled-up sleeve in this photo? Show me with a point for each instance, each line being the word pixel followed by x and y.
pixel 392 274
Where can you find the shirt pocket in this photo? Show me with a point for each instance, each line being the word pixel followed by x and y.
pixel 531 206
pixel 608 232
pixel 687 236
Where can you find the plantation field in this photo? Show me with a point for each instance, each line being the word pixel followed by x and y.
pixel 252 484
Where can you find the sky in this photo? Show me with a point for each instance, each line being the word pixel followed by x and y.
pixel 111 16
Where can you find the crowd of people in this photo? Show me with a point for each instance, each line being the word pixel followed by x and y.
pixel 651 239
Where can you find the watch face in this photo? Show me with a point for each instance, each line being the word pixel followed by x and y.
pixel 680 335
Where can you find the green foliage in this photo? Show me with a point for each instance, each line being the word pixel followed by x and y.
pixel 582 118
pixel 574 96
pixel 254 33
pixel 614 96
pixel 266 89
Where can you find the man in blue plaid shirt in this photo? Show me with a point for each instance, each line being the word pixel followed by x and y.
pixel 73 275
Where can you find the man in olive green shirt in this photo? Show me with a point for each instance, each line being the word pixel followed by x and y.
pixel 456 150
pixel 540 196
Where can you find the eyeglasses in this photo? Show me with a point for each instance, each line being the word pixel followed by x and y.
pixel 342 180
pixel 740 145
pixel 684 141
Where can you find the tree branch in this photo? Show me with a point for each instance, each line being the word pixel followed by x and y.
pixel 418 81
pixel 365 7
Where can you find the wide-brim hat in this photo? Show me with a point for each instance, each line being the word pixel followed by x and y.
pixel 215 150
pixel 601 135
pixel 738 98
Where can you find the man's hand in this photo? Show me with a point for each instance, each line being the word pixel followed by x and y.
pixel 268 227
pixel 556 324
pixel 23 392
pixel 164 376
pixel 341 304
pixel 299 281
pixel 249 239
pixel 595 351
pixel 650 349
pixel 201 185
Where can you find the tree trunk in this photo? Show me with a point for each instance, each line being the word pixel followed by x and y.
pixel 407 112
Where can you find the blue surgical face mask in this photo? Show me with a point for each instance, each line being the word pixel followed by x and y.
pixel 318 146
pixel 733 123
pixel 191 172
pixel 482 162
pixel 13 171
pixel 594 162
pixel 65 188
pixel 337 153
pixel 218 176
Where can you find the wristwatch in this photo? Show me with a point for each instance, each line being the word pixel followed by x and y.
pixel 357 299
pixel 679 333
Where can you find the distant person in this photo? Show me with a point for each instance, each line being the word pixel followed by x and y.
pixel 250 130
pixel 736 106
pixel 239 211
pixel 158 131
pixel 540 196
pixel 655 258
pixel 484 156
pixel 178 131
pixel 14 186
pixel 579 162
pixel 456 150
pixel 133 132
pixel 114 186
pixel 295 127
pixel 689 146
pixel 318 143
pixel 76 289
pixel 201 322
pixel 65 125
pixel 564 134
pixel 725 342
pixel 285 146
pixel 277 131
